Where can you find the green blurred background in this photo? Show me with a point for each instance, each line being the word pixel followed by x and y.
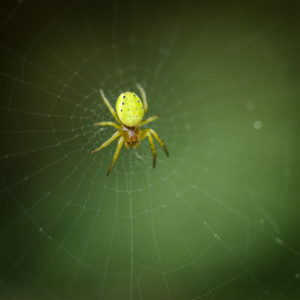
pixel 218 219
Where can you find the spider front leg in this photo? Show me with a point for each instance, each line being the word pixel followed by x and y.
pixel 149 133
pixel 152 148
pixel 154 133
pixel 106 143
pixel 120 143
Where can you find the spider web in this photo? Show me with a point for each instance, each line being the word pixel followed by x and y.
pixel 217 219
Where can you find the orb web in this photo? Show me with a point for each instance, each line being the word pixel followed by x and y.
pixel 212 220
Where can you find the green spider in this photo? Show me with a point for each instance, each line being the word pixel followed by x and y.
pixel 129 115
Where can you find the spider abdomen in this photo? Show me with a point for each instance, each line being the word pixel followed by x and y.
pixel 130 109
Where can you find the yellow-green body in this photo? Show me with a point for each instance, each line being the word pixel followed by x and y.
pixel 130 109
pixel 129 116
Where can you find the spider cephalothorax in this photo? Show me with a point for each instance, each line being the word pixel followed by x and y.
pixel 131 136
pixel 129 115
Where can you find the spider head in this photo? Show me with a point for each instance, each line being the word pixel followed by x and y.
pixel 130 109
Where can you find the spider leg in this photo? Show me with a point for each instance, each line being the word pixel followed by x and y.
pixel 151 119
pixel 120 143
pixel 107 124
pixel 159 140
pixel 112 111
pixel 152 148
pixel 144 97
pixel 105 144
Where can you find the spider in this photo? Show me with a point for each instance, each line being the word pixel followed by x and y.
pixel 129 115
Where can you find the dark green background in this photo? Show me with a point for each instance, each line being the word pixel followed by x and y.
pixel 219 219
